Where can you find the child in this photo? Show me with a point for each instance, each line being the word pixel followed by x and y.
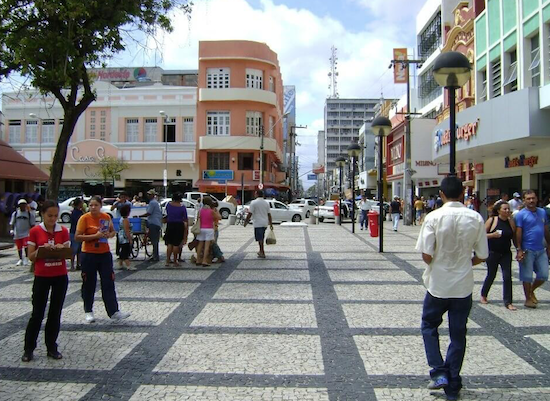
pixel 22 220
pixel 76 246
pixel 125 239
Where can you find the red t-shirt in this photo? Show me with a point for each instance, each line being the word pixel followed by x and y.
pixel 39 236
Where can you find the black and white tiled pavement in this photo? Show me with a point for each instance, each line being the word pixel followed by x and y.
pixel 324 317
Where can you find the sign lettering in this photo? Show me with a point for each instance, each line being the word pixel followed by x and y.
pixel 77 157
pixel 425 163
pixel 465 133
pixel 400 70
pixel 520 161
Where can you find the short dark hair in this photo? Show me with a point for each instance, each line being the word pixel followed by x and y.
pixel 452 187
pixel 177 197
pixel 48 204
pixel 260 193
pixel 98 199
pixel 529 192
pixel 125 210
pixel 124 194
pixel 496 208
pixel 77 202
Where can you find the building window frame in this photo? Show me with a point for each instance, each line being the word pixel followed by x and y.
pixel 534 60
pixel 496 78
pixel 31 131
pixel 217 160
pixel 511 83
pixel 254 78
pixel 48 131
pixel 218 123
pixel 132 130
pixel 254 122
pixel 246 161
pixel 150 130
pixel 188 129
pixel 218 78
pixel 14 134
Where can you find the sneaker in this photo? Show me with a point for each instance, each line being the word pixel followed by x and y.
pixel 27 356
pixel 90 317
pixel 26 262
pixel 131 268
pixel 438 383
pixel 119 315
pixel 119 267
pixel 54 355
pixel 530 304
pixel 19 263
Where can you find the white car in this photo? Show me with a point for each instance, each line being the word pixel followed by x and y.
pixel 326 211
pixel 279 212
pixel 307 205
pixel 136 211
pixel 190 206
pixel 66 208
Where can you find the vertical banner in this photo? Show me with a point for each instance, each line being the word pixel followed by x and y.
pixel 400 71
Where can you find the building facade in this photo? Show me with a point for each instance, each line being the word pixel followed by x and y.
pixel 239 110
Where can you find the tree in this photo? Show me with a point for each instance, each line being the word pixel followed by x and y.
pixel 55 42
pixel 111 167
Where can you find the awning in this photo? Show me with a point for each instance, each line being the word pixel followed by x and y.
pixel 13 166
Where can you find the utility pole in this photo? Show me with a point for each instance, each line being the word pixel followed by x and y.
pixel 293 168
pixel 408 184
pixel 261 156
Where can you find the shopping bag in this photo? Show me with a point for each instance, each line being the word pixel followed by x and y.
pixel 271 240
pixel 196 228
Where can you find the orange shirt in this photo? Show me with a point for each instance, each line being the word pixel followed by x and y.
pixel 89 225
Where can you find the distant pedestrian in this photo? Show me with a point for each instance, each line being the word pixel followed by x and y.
pixel 532 253
pixel 431 204
pixel 125 239
pixel 438 202
pixel 154 223
pixel 395 210
pixel 217 254
pixel 76 246
pixel 176 229
pixel 22 220
pixel 447 239
pixel 50 281
pixel 516 202
pixel 365 207
pixel 207 217
pixel 260 211
pixel 121 200
pixel 419 210
pixel 94 229
pixel 500 230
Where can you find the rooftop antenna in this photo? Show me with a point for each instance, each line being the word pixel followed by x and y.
pixel 333 74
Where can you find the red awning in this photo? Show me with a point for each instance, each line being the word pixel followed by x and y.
pixel 13 166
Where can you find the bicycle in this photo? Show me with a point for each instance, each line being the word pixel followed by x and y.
pixel 141 240
pixel 240 218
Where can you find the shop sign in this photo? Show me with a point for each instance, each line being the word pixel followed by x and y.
pixel 122 74
pixel 479 168
pixel 87 158
pixel 465 133
pixel 427 183
pixel 217 175
pixel 400 70
pixel 425 163
pixel 396 151
pixel 256 175
pixel 520 161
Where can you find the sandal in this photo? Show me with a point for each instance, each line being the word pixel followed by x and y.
pixel 511 307
pixel 483 300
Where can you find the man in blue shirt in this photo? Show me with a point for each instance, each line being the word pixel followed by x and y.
pixel 154 221
pixel 532 229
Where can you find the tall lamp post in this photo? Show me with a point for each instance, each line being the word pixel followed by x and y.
pixel 39 134
pixel 354 150
pixel 165 130
pixel 452 71
pixel 381 126
pixel 340 162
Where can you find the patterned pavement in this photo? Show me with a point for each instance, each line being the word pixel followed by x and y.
pixel 324 317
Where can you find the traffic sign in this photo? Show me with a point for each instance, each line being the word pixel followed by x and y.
pixel 312 177
pixel 260 186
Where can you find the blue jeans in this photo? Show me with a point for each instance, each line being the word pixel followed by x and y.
pixel 432 316
pixel 364 219
pixel 395 217
pixel 534 261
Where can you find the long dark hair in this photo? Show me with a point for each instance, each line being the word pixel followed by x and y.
pixel 48 204
pixel 496 208
pixel 97 199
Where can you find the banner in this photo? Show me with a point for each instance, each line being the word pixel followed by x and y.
pixel 400 71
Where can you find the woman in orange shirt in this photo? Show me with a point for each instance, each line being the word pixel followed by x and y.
pixel 94 230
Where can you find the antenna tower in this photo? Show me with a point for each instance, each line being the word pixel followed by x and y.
pixel 333 74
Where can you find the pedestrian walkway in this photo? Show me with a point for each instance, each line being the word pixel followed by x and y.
pixel 324 317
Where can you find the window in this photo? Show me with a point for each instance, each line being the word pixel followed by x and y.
pixel 272 84
pixel 132 130
pixel 254 78
pixel 169 130
pixel 271 126
pixel 102 135
pixel 48 131
pixel 511 83
pixel 483 88
pixel 31 131
pixel 103 113
pixel 534 68
pixel 15 131
pixel 254 122
pixel 217 78
pixel 92 113
pixel 188 129
pixel 496 78
pixel 279 205
pixel 92 120
pixel 246 161
pixel 103 120
pixel 430 38
pixel 217 123
pixel 218 161
pixel 429 89
pixel 150 134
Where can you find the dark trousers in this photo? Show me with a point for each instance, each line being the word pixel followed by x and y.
pixel 154 235
pixel 505 261
pixel 40 293
pixel 364 219
pixel 102 263
pixel 432 316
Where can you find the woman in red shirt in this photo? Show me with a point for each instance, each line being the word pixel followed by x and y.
pixel 48 274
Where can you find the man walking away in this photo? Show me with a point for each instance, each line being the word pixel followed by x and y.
pixel 532 255
pixel 259 208
pixel 395 210
pixel 447 239
pixel 154 221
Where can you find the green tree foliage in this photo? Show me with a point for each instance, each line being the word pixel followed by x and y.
pixel 55 42
pixel 111 167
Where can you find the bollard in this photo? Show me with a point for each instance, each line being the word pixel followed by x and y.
pixel 312 219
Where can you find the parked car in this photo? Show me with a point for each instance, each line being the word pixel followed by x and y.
pixel 225 208
pixel 136 211
pixel 306 205
pixel 190 206
pixel 326 211
pixel 66 208
pixel 279 212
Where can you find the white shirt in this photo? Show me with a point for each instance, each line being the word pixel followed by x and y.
pixel 450 234
pixel 514 204
pixel 365 205
pixel 259 208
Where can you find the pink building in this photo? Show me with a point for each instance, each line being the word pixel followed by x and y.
pixel 240 94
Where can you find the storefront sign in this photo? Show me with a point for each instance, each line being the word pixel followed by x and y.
pixel 465 133
pixel 76 156
pixel 425 163
pixel 479 168
pixel 400 70
pixel 217 175
pixel 121 74
pixel 427 183
pixel 396 151
pixel 520 161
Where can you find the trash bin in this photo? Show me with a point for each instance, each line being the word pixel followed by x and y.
pixel 312 218
pixel 232 219
pixel 373 223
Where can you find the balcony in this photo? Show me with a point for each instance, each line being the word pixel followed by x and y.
pixel 237 142
pixel 237 95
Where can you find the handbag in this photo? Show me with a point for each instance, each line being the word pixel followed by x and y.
pixel 196 229
pixel 271 240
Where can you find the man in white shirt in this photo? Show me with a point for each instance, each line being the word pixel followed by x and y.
pixel 516 202
pixel 259 208
pixel 447 239
pixel 365 207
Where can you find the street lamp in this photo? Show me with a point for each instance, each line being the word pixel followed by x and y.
pixel 165 176
pixel 39 134
pixel 354 150
pixel 452 71
pixel 340 162
pixel 381 126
